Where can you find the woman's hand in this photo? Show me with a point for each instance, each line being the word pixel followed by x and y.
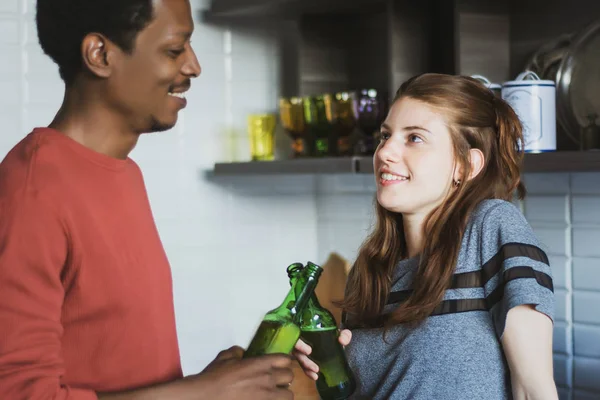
pixel 302 351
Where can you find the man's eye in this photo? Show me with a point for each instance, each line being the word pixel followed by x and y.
pixel 176 52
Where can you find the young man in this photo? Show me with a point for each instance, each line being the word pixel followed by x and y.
pixel 86 307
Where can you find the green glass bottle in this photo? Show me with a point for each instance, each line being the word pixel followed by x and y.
pixel 280 328
pixel 319 330
pixel 317 122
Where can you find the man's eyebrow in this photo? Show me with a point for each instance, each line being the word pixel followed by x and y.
pixel 181 34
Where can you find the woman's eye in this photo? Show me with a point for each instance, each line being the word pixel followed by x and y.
pixel 384 136
pixel 415 139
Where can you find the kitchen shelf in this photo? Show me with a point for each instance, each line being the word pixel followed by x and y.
pixel 333 165
pixel 560 161
pixel 223 9
pixel 563 161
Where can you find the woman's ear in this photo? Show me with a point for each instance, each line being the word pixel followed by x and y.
pixel 477 161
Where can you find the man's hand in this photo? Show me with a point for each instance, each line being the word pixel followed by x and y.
pixel 302 351
pixel 231 377
pixel 228 377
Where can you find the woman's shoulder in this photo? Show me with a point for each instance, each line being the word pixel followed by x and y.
pixel 496 223
pixel 497 215
pixel 495 208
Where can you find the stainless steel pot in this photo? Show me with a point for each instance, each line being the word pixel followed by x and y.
pixel 578 81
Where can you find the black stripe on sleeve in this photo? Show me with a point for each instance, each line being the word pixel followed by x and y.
pixel 480 277
pixel 517 273
pixel 510 250
pixel 464 305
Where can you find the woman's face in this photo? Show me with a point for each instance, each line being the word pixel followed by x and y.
pixel 414 163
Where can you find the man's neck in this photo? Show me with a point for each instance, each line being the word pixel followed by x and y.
pixel 90 123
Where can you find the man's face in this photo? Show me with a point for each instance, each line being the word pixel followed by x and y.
pixel 147 86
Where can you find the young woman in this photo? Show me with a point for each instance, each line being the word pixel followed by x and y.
pixel 451 296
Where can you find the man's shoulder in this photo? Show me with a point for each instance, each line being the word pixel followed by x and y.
pixel 30 165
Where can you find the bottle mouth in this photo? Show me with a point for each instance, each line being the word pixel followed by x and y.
pixel 314 268
pixel 294 268
pixel 312 265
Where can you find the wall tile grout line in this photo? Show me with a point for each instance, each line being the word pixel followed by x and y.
pixel 569 284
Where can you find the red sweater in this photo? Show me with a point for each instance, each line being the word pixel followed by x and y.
pixel 86 301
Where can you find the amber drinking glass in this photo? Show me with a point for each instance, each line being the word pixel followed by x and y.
pixel 291 115
pixel 342 113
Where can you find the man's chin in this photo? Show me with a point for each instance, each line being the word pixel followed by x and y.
pixel 161 126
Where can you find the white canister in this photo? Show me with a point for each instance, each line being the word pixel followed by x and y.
pixel 494 87
pixel 534 101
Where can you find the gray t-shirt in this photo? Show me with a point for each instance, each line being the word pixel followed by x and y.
pixel 456 353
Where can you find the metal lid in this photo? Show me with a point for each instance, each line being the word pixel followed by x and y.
pixel 528 78
pixel 578 81
pixel 487 82
pixel 546 60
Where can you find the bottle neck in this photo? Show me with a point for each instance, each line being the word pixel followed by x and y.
pixel 304 293
pixel 313 301
pixel 300 294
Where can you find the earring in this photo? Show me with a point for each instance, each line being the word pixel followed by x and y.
pixel 456 182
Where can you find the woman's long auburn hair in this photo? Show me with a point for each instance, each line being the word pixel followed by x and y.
pixel 476 119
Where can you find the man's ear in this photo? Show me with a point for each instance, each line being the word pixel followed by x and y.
pixel 98 54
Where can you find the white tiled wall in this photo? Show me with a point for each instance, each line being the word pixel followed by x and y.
pixel 563 209
pixel 228 241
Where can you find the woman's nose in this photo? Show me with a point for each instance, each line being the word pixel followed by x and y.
pixel 389 151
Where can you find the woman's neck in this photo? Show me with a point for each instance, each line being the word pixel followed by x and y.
pixel 413 233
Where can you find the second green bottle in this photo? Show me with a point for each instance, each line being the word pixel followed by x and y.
pixel 319 330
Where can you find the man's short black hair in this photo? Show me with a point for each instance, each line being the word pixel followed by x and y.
pixel 62 25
